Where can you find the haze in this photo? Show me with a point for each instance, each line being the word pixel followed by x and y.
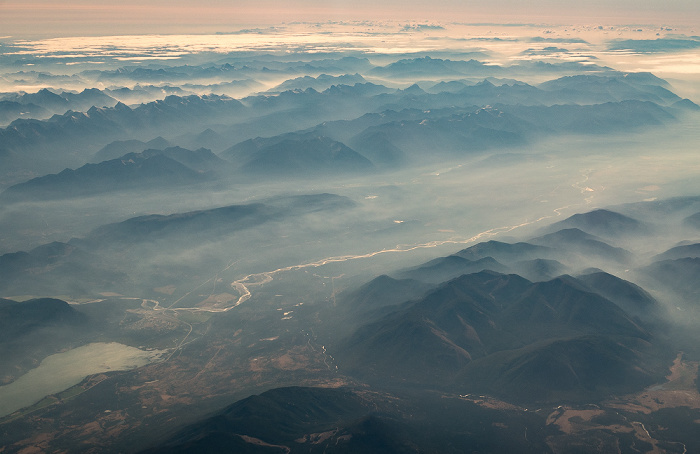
pixel 268 228
pixel 102 17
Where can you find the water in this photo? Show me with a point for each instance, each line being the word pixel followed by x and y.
pixel 63 370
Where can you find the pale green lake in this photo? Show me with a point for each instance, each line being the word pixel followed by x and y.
pixel 63 370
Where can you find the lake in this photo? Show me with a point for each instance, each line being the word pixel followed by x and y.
pixel 63 370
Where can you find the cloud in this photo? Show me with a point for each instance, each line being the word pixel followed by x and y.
pixel 655 45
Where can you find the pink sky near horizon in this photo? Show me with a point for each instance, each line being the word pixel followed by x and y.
pixel 76 17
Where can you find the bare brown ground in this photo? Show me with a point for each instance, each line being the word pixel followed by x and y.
pixel 490 402
pixel 317 438
pixel 167 290
pixel 578 424
pixel 258 442
pixel 678 391
pixel 562 417
pixel 217 302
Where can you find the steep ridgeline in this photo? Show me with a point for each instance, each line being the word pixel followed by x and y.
pixel 45 103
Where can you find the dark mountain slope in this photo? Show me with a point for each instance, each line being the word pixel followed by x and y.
pixel 19 319
pixel 341 420
pixel 51 269
pixel 381 292
pixel 630 297
pixel 279 417
pixel 33 329
pixel 581 369
pixel 432 341
pixel 564 301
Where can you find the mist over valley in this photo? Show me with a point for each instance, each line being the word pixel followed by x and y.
pixel 374 238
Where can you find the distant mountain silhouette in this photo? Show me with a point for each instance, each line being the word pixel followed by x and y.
pixel 296 156
pixel 60 103
pixel 539 269
pixel 212 222
pixel 150 169
pixel 119 148
pixel 679 252
pixel 693 220
pixel 65 139
pixel 604 223
pixel 52 268
pixel 594 119
pixel 380 292
pixel 434 67
pixel 377 147
pixel 506 252
pixel 201 160
pixel 319 83
pixel 680 276
pixel 576 241
pixel 592 89
pixel 10 111
pixel 18 319
pixel 208 139
pixel 445 268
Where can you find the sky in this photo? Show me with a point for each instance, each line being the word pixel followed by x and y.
pixel 102 17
